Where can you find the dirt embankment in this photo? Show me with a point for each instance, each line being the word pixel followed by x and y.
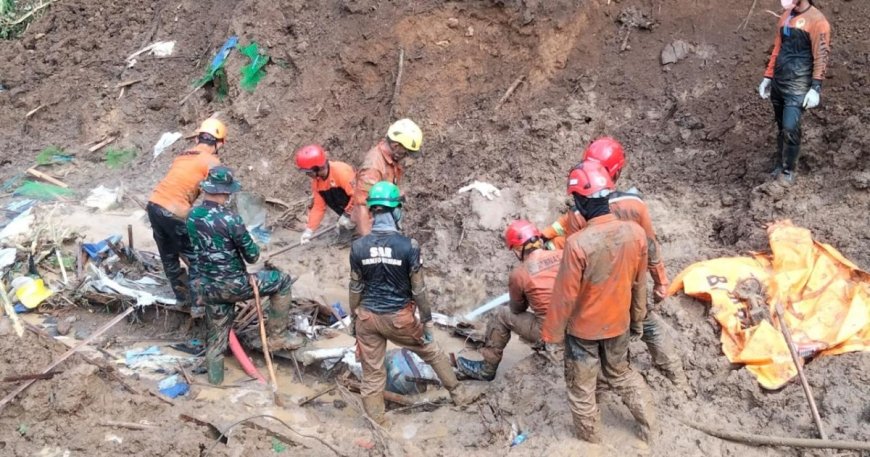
pixel 698 138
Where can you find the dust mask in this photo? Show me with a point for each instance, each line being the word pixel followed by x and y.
pixel 786 4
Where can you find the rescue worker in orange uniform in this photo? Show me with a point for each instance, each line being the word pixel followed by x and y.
pixel 530 287
pixel 331 186
pixel 628 206
pixel 599 304
pixel 794 75
pixel 384 163
pixel 172 200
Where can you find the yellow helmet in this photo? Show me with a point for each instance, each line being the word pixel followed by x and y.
pixel 214 128
pixel 407 133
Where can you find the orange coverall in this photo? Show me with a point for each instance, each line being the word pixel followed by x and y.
pixel 378 165
pixel 335 191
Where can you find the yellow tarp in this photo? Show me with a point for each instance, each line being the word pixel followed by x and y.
pixel 826 300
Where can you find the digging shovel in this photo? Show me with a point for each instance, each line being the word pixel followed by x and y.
pixel 295 245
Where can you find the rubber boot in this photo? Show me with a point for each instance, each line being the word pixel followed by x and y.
pixel 639 403
pixel 476 369
pixel 588 428
pixel 678 378
pixel 276 325
pixel 215 367
pixel 458 393
pixel 374 408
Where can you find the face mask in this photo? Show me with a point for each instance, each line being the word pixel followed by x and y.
pixel 786 4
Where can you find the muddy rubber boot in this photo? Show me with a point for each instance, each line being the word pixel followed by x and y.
pixel 215 367
pixel 374 408
pixel 460 395
pixel 475 369
pixel 678 378
pixel 288 340
pixel 788 177
pixel 639 403
pixel 278 312
pixel 588 428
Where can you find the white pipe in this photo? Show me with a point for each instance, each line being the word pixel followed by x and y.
pixel 488 306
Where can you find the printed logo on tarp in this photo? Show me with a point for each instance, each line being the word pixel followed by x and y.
pixel 383 255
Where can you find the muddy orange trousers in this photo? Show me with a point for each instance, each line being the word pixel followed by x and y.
pixel 498 332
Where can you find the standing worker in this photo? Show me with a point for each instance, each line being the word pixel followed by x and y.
pixel 598 304
pixel 628 206
pixel 331 186
pixel 222 246
pixel 530 286
pixel 794 75
pixel 171 201
pixel 386 289
pixel 384 163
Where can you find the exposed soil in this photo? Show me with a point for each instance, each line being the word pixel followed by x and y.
pixel 698 137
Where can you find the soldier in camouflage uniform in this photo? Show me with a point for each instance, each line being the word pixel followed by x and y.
pixel 222 246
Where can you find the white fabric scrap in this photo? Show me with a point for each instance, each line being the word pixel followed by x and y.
pixel 104 198
pixel 20 225
pixel 486 189
pixel 166 140
pixel 158 49
pixel 7 257
pixel 142 298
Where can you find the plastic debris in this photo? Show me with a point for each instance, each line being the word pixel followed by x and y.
pixel 104 198
pixel 7 257
pixel 277 446
pixel 106 285
pixel 158 49
pixel 216 73
pixel 402 364
pixel 173 387
pixel 42 191
pixel 166 140
pixel 486 189
pixel 18 226
pixel 134 356
pixel 32 293
pixel 116 158
pixel 97 250
pixel 519 439
pixel 253 72
pixel 52 155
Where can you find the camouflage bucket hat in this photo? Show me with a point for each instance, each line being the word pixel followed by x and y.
pixel 220 181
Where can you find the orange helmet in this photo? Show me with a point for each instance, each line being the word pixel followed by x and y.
pixel 588 179
pixel 520 232
pixel 213 127
pixel 310 157
pixel 607 152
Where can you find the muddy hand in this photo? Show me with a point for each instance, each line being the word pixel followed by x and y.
pixel 428 338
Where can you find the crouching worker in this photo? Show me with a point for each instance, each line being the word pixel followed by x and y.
pixel 222 246
pixel 530 286
pixel 386 289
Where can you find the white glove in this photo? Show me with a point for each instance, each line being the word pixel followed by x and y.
pixel 764 88
pixel 306 236
pixel 486 189
pixel 345 223
pixel 811 100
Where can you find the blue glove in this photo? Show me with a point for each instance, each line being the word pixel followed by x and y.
pixel 428 338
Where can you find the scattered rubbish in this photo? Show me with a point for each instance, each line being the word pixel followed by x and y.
pixel 10 311
pixel 192 347
pixel 32 293
pixel 53 155
pixel 158 49
pixel 519 439
pixel 7 257
pixel 166 140
pixel 116 158
pixel 47 178
pixel 173 387
pixel 151 358
pixel 277 446
pixel 42 191
pixel 103 198
pixel 486 189
pixel 339 311
pixel 18 226
pixel 104 284
pixel 22 429
pixel 252 209
pixel 675 52
pixel 826 307
pixel 216 74
pixel 134 356
pixel 253 72
pixel 402 364
pixel 99 250
pixel 244 360
pixel 110 438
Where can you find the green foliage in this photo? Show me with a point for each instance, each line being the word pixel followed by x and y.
pixel 15 16
pixel 116 158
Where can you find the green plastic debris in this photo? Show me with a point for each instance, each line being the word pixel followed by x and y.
pixel 278 446
pixel 42 191
pixel 116 158
pixel 216 74
pixel 23 429
pixel 52 155
pixel 253 72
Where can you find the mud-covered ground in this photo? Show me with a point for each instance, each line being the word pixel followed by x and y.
pixel 699 142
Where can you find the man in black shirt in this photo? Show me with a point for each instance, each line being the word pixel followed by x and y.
pixel 386 287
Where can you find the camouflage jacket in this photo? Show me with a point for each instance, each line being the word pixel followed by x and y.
pixel 221 246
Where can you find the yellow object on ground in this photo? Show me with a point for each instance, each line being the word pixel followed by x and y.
pixel 826 300
pixel 33 293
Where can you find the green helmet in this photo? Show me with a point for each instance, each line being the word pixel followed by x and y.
pixel 384 193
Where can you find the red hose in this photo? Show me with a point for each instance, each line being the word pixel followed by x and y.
pixel 243 358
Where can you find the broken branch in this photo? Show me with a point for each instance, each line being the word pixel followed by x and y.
pixel 398 87
pixel 510 91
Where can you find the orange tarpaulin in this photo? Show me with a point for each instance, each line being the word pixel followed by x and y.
pixel 826 300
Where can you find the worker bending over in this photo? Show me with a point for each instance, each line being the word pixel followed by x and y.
pixel 331 186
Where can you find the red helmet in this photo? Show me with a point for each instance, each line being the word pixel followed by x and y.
pixel 310 157
pixel 607 152
pixel 589 178
pixel 519 233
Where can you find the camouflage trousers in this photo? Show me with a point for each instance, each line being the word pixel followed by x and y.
pixel 220 312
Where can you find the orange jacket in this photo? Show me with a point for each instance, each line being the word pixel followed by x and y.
pixel 180 187
pixel 626 206
pixel 600 289
pixel 378 165
pixel 531 282
pixel 335 191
